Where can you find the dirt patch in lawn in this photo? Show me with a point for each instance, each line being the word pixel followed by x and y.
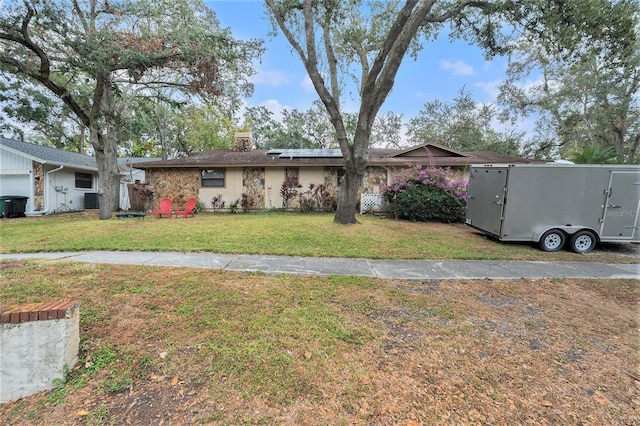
pixel 181 346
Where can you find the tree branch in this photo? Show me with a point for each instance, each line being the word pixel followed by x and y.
pixel 331 57
pixel 81 17
pixel 44 71
pixel 456 10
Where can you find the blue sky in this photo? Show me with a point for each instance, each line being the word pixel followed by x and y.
pixel 442 69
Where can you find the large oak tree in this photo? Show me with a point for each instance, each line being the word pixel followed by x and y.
pixel 313 129
pixel 586 97
pixel 463 124
pixel 112 48
pixel 366 41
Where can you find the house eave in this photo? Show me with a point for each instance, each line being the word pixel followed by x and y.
pixel 22 154
pixel 48 162
pixel 426 145
pixel 51 163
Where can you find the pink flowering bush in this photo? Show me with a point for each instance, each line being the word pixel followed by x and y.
pixel 426 194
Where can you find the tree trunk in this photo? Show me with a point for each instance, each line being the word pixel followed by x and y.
pixel 618 128
pixel 161 124
pixel 348 197
pixel 356 158
pixel 105 147
pixel 631 156
pixel 104 140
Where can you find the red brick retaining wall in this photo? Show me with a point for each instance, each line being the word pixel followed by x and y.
pixel 35 311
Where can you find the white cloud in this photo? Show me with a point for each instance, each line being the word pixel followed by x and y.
pixel 275 107
pixel 270 78
pixel 538 81
pixel 490 88
pixel 307 85
pixel 272 105
pixel 420 95
pixel 457 67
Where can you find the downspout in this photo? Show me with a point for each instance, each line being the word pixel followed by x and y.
pixel 32 191
pixel 46 193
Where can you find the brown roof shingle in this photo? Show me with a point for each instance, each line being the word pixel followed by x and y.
pixel 378 157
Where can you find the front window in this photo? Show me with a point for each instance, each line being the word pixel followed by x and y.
pixel 212 178
pixel 84 180
pixel 291 176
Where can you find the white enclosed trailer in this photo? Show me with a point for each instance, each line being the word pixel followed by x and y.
pixel 552 204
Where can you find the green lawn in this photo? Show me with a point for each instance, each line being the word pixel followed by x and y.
pixel 278 233
pixel 200 346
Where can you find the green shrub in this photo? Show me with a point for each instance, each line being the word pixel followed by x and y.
pixel 430 194
pixel 199 206
pixel 234 206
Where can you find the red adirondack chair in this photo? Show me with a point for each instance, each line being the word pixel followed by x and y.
pixel 188 209
pixel 163 209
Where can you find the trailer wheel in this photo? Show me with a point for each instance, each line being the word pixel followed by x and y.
pixel 582 241
pixel 552 240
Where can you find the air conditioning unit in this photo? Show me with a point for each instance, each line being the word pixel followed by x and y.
pixel 91 200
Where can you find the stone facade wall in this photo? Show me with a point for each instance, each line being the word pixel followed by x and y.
pixel 181 184
pixel 175 183
pixel 38 190
pixel 331 177
pixel 253 186
pixel 373 178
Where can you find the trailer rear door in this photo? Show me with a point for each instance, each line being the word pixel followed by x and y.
pixel 620 219
pixel 485 205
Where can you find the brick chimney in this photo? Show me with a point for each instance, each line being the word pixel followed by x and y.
pixel 242 142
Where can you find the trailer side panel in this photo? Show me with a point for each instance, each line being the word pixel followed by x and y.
pixel 532 199
pixel 620 219
pixel 487 201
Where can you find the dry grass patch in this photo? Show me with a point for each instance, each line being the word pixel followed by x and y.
pixel 182 346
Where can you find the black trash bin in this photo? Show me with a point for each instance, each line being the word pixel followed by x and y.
pixel 13 205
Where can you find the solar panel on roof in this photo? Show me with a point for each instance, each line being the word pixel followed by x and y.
pixel 330 153
pixel 310 153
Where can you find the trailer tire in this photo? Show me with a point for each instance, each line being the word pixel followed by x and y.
pixel 582 241
pixel 552 240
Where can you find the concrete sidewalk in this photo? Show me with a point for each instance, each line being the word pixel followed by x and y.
pixel 390 269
